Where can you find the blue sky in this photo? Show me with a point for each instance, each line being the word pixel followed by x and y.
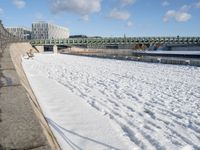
pixel 108 17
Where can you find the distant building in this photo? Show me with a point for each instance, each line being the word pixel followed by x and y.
pixel 20 32
pixel 43 30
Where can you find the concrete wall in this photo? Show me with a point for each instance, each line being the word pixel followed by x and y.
pixel 40 48
pixel 19 126
pixel 18 50
pixel 194 48
pixel 55 49
pixel 125 54
pixel 103 51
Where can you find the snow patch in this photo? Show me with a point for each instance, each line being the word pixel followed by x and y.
pixel 93 103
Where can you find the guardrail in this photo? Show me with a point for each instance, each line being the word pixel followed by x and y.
pixel 5 37
pixel 101 42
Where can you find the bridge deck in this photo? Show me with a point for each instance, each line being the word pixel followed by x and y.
pixel 98 42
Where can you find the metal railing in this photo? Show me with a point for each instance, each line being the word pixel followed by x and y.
pixel 118 41
pixel 5 37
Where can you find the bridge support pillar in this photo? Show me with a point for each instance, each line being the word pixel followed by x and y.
pixel 55 49
pixel 40 48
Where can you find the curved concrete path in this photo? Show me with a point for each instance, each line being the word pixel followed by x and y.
pixel 19 126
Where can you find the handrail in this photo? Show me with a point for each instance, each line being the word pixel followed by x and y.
pixel 118 40
pixel 6 37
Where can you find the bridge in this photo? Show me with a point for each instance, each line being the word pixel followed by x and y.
pixel 119 42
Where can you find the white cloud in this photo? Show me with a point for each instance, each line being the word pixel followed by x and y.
pixel 118 14
pixel 82 7
pixel 129 24
pixel 128 2
pixel 169 14
pixel 165 3
pixel 19 3
pixel 185 8
pixel 1 11
pixel 183 16
pixel 197 4
pixel 85 18
pixel 179 16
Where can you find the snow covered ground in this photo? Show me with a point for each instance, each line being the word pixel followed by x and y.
pixel 93 103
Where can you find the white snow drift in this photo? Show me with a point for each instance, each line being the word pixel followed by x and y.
pixel 93 103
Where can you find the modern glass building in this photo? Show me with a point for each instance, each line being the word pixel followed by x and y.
pixel 44 30
pixel 20 32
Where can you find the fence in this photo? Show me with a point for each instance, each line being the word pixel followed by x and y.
pixel 5 37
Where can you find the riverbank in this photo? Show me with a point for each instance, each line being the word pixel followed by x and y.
pixel 167 57
pixel 94 103
pixel 21 126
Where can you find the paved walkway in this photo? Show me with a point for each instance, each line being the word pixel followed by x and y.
pixel 19 127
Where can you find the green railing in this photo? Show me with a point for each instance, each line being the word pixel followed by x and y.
pixel 118 41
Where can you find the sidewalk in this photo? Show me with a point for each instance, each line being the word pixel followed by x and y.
pixel 19 126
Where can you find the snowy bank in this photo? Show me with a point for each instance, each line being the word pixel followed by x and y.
pixel 93 103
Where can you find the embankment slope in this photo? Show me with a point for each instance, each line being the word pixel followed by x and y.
pixel 22 124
